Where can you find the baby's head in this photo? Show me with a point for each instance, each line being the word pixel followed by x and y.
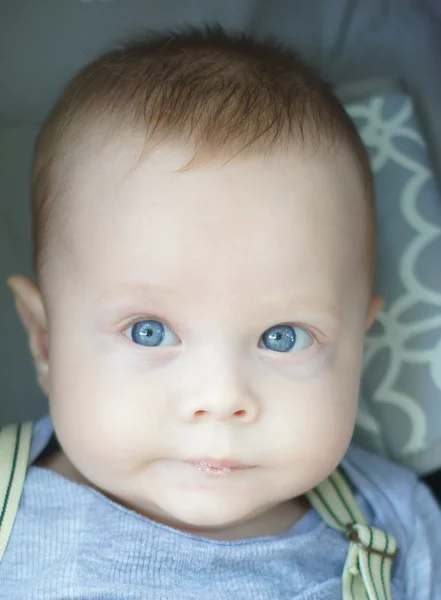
pixel 204 232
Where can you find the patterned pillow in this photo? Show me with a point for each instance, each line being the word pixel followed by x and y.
pixel 400 404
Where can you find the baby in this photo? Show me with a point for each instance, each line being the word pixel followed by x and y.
pixel 204 223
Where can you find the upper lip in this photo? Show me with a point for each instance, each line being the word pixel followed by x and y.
pixel 221 463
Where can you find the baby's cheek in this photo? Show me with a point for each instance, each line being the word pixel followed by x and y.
pixel 311 442
pixel 318 420
pixel 93 412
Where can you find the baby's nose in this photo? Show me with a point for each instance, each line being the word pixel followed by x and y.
pixel 228 402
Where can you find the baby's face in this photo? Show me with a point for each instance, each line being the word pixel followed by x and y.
pixel 211 315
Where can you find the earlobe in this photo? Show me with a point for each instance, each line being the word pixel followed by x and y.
pixel 30 308
pixel 375 305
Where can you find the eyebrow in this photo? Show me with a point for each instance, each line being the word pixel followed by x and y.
pixel 312 301
pixel 310 306
pixel 124 291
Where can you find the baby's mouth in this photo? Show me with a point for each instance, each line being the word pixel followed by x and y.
pixel 219 467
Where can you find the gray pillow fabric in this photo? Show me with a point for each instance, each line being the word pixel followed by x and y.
pixel 401 388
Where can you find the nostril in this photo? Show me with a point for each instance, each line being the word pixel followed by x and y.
pixel 200 413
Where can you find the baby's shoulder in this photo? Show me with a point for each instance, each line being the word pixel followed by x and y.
pixel 375 468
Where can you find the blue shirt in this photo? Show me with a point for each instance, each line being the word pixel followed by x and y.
pixel 71 542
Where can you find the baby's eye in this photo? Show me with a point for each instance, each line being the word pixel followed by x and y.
pixel 151 333
pixel 286 338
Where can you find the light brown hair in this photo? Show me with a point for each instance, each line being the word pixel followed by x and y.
pixel 222 93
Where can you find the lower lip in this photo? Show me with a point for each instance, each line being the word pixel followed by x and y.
pixel 204 467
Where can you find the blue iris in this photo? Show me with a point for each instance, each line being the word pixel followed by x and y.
pixel 148 333
pixel 280 338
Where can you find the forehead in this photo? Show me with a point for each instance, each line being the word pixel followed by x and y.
pixel 249 226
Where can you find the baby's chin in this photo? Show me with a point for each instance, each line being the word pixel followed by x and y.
pixel 223 504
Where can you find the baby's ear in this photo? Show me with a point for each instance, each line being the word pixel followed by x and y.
pixel 30 308
pixel 375 305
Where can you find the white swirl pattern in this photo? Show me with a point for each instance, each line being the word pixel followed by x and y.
pixel 400 407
